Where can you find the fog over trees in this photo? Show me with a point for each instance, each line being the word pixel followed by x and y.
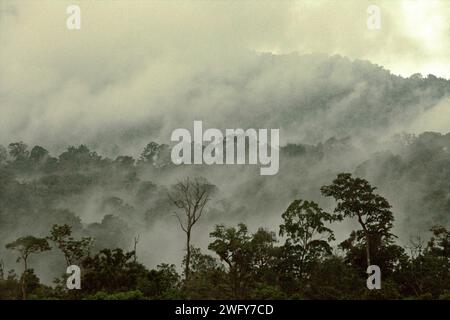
pixel 343 125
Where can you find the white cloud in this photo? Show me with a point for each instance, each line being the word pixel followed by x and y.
pixel 144 63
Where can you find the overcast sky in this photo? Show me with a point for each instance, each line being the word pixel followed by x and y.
pixel 131 58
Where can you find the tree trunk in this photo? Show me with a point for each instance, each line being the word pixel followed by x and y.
pixel 368 249
pixel 24 291
pixel 188 254
pixel 367 236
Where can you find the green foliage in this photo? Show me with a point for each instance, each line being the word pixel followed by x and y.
pixel 232 247
pixel 356 199
pixel 28 245
pixel 307 237
pixel 74 250
pixel 245 264
pixel 10 287
pixel 162 283
pixel 428 272
pixel 250 258
pixel 110 270
pixel 208 278
pixel 333 279
pixel 158 155
pixel 18 151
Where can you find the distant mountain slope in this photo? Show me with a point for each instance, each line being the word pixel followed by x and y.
pixel 311 98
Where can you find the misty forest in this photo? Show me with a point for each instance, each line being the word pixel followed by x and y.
pixel 362 181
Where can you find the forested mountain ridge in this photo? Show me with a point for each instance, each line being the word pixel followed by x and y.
pixel 114 200
pixel 110 186
pixel 310 97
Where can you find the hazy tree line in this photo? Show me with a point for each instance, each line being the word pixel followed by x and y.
pixel 299 260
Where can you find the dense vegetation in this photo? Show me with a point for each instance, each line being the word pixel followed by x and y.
pixel 301 259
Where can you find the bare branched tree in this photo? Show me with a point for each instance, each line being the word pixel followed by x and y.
pixel 191 196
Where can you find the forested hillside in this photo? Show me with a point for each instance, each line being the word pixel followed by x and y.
pixel 278 238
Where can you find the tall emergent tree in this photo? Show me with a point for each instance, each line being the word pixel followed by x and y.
pixel 356 199
pixel 26 246
pixel 232 245
pixel 307 237
pixel 191 196
pixel 74 250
